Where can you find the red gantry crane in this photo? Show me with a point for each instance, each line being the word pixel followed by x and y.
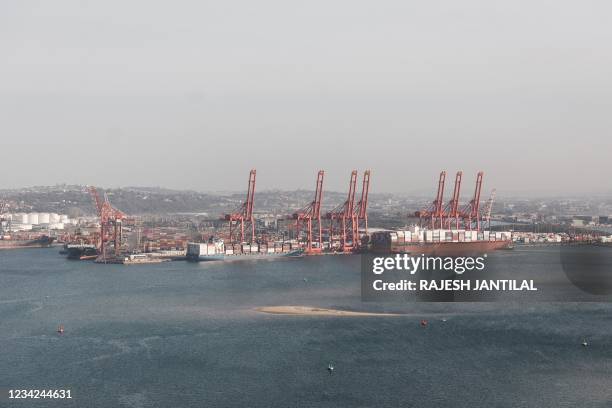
pixel 470 213
pixel 451 211
pixel 110 222
pixel 243 215
pixel 361 209
pixel 486 213
pixel 311 215
pixel 434 212
pixel 343 217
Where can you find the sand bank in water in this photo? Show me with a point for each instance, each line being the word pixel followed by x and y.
pixel 315 311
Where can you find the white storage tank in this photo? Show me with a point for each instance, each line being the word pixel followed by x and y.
pixel 54 218
pixel 32 218
pixel 43 218
pixel 63 219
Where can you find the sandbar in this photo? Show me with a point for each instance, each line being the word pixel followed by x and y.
pixel 316 311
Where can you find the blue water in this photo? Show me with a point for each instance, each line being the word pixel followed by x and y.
pixel 186 335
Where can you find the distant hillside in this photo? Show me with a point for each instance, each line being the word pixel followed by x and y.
pixel 75 200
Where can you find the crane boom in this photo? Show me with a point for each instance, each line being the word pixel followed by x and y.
pixel 311 214
pixel 471 211
pixel 452 208
pixel 486 214
pixel 345 214
pixel 243 214
pixel 435 210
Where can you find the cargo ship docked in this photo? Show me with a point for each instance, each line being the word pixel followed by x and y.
pixel 216 251
pixel 80 251
pixel 447 230
pixel 440 242
pixel 11 242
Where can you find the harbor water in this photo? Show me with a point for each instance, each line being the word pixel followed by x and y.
pixel 182 334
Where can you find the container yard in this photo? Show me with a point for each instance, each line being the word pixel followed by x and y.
pixel 441 227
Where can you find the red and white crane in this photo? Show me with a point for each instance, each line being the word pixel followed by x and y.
pixel 361 209
pixel 451 211
pixel 311 216
pixel 470 213
pixel 486 212
pixel 433 212
pixel 110 222
pixel 343 218
pixel 243 216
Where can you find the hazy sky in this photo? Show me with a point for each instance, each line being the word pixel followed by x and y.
pixel 192 94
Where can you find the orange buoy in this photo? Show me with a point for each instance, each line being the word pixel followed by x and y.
pixel 60 329
pixel 423 322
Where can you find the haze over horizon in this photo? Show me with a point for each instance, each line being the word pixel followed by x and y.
pixel 191 95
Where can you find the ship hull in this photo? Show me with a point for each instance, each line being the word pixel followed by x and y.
pixel 81 252
pixel 42 242
pixel 446 248
pixel 241 257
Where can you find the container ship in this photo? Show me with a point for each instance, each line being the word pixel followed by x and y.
pixel 10 242
pixel 80 251
pixel 451 230
pixel 440 242
pixel 217 251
